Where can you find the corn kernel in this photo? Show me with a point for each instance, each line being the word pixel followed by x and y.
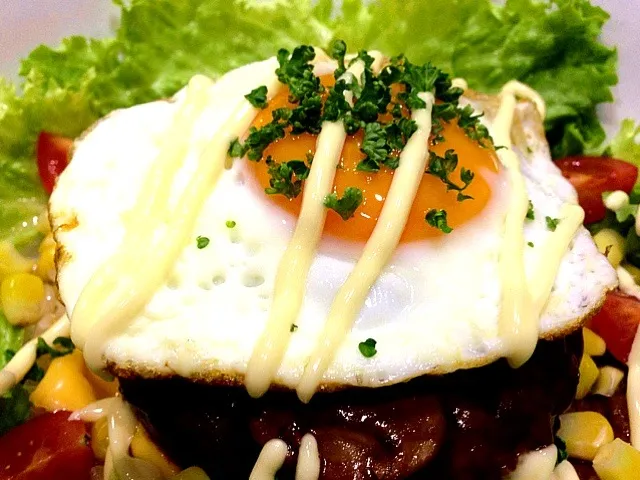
pixel 21 296
pixel 594 344
pixel 608 381
pixel 588 376
pixel 610 242
pixel 584 433
pixel 46 267
pixel 64 386
pixel 11 261
pixel 143 448
pixel 617 461
pixel 100 438
pixel 191 473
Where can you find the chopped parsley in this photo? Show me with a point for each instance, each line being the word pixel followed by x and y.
pixel 438 219
pixel 530 244
pixel 282 177
pixel 230 223
pixel 552 223
pixel 443 167
pixel 368 348
pixel 293 327
pixel 531 215
pixel 61 346
pixel 258 97
pixel 337 51
pixel 347 205
pixel 202 242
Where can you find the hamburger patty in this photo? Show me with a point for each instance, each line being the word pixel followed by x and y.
pixel 470 424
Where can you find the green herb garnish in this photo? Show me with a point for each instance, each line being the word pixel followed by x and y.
pixel 530 244
pixel 282 177
pixel 202 242
pixel 293 327
pixel 347 205
pixel 438 219
pixel 531 215
pixel 368 348
pixel 552 223
pixel 258 97
pixel 230 223
pixel 443 167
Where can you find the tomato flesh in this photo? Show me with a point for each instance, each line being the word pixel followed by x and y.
pixel 617 323
pixel 592 176
pixel 53 157
pixel 48 447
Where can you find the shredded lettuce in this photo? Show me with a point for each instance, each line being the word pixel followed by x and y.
pixel 626 144
pixel 551 44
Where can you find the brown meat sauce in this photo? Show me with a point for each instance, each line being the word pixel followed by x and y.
pixel 466 425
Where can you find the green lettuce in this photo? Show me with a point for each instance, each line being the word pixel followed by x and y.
pixel 626 144
pixel 550 44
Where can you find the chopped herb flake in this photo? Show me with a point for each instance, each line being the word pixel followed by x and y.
pixel 368 348
pixel 293 327
pixel 552 223
pixel 258 97
pixel 282 177
pixel 202 242
pixel 438 219
pixel 231 223
pixel 347 205
pixel 530 244
pixel 443 167
pixel 531 215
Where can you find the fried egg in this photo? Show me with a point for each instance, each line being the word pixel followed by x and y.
pixel 434 308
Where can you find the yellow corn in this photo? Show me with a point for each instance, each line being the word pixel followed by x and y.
pixel 584 433
pixel 100 438
pixel 594 344
pixel 617 461
pixel 64 386
pixel 11 261
pixel 611 243
pixel 21 296
pixel 608 380
pixel 45 267
pixel 588 376
pixel 191 473
pixel 143 448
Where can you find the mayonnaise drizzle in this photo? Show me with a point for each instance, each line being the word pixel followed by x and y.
pixel 551 253
pixel 270 460
pixel 377 251
pixel 124 283
pixel 274 453
pixel 627 284
pixel 536 465
pixel 290 283
pixel 518 324
pixel 308 467
pixel 14 371
pixel 616 200
pixel 633 391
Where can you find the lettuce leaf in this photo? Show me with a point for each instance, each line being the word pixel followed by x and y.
pixel 626 144
pixel 160 44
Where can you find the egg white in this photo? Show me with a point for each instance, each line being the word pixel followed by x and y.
pixel 433 310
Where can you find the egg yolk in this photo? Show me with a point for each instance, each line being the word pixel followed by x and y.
pixel 432 193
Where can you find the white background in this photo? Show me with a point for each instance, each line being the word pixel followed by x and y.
pixel 26 23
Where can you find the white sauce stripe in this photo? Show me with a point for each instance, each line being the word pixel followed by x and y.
pixel 376 253
pixel 633 391
pixel 270 460
pixel 125 283
pixel 14 371
pixel 295 264
pixel 518 326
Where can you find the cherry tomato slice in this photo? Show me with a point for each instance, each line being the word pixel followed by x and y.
pixel 617 323
pixel 53 156
pixel 48 447
pixel 591 176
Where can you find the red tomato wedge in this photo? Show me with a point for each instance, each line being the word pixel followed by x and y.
pixel 617 323
pixel 53 157
pixel 591 176
pixel 48 447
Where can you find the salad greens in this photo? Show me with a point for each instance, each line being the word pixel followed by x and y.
pixel 550 44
